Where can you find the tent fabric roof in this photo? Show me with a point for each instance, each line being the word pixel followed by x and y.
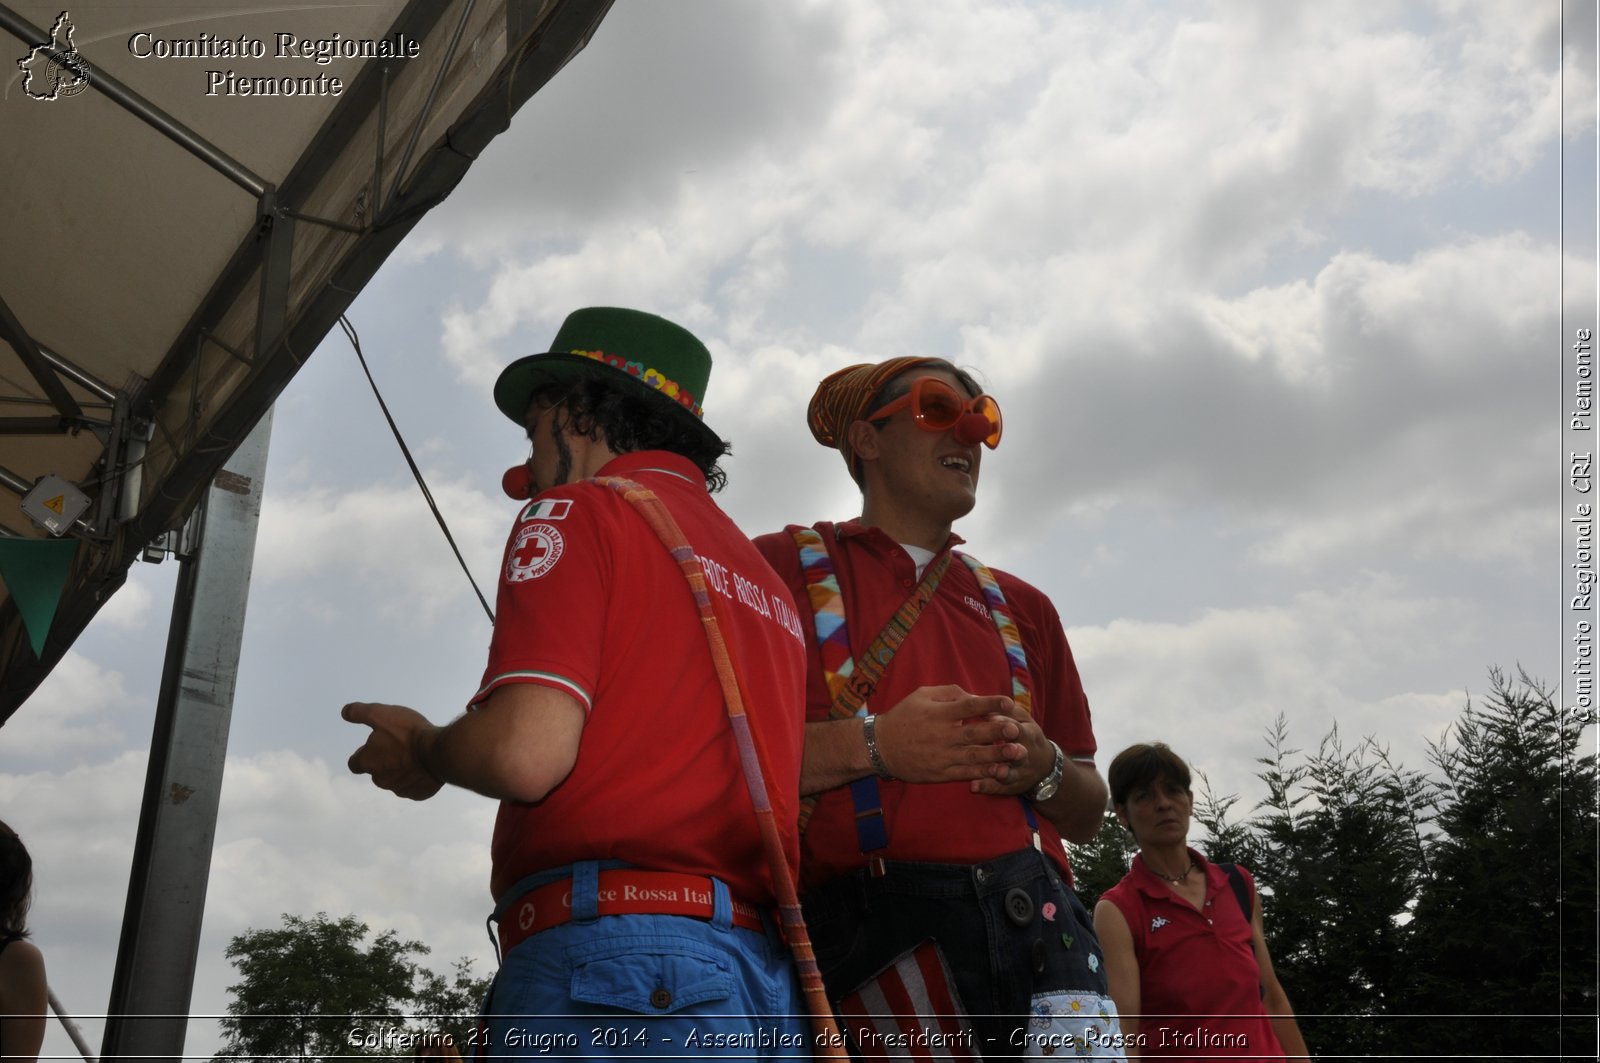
pixel 173 254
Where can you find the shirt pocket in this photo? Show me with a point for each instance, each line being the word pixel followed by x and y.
pixel 651 975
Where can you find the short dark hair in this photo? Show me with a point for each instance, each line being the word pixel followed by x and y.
pixel 1144 765
pixel 899 384
pixel 16 883
pixel 629 421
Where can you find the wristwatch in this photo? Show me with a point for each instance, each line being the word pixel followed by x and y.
pixel 1050 783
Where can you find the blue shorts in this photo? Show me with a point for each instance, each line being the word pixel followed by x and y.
pixel 637 986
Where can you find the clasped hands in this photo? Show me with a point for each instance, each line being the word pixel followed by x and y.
pixel 944 734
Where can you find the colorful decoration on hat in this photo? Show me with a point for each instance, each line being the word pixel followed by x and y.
pixel 661 362
pixel 648 376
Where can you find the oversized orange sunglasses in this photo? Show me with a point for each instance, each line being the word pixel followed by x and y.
pixel 938 407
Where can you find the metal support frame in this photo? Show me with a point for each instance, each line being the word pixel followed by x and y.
pixel 153 983
pixel 137 105
pixel 34 361
pixel 427 108
pixel 56 369
pixel 33 426
pixel 125 439
pixel 273 306
pixel 563 28
pixel 154 978
pixel 78 375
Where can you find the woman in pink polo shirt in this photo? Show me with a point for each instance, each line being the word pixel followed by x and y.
pixel 1187 966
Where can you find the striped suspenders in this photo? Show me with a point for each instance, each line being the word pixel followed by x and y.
pixel 850 685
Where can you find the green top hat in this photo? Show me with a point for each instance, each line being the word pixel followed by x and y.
pixel 661 361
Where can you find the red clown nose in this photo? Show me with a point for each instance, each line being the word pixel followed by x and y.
pixel 972 428
pixel 517 483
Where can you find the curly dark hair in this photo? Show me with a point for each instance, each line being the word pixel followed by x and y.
pixel 1144 764
pixel 16 884
pixel 628 420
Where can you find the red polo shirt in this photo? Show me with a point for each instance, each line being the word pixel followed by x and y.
pixel 592 604
pixel 1199 984
pixel 954 641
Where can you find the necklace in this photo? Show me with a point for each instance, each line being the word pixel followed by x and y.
pixel 1173 879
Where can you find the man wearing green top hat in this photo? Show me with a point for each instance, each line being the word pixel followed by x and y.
pixel 629 874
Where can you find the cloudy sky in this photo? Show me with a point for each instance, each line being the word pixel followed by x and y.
pixel 1270 293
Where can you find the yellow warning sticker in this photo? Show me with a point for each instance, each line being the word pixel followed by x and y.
pixel 56 504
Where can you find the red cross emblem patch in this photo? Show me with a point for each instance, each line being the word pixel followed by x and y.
pixel 536 551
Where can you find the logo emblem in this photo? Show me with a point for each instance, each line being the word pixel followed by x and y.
pixel 547 509
pixel 55 70
pixel 537 549
pixel 1157 923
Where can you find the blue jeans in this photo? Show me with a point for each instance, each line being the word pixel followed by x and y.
pixel 1018 941
pixel 637 986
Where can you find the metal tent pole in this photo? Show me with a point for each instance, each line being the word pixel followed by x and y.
pixel 154 978
pixel 71 1027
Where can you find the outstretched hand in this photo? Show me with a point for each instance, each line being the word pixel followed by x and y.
pixel 944 734
pixel 391 753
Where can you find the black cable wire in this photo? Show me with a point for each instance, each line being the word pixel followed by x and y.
pixel 355 341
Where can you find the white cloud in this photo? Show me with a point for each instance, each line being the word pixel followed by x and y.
pixel 74 713
pixel 383 540
pixel 294 835
pixel 1381 406
pixel 1213 685
pixel 1077 214
pixel 129 608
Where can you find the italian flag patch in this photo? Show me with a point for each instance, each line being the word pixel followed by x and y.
pixel 546 509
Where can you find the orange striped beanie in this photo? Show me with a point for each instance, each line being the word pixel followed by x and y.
pixel 842 397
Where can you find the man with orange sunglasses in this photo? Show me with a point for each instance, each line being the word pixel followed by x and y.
pixel 948 746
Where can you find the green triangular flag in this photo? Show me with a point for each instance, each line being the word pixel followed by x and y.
pixel 35 571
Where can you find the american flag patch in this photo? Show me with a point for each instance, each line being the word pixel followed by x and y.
pixel 910 1010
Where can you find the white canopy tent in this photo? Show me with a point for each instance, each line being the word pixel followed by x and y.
pixel 172 254
pixel 191 194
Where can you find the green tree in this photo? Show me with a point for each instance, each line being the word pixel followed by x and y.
pixel 452 1004
pixel 1340 863
pixel 1416 915
pixel 305 988
pixel 1504 933
pixel 1101 863
pixel 1223 842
